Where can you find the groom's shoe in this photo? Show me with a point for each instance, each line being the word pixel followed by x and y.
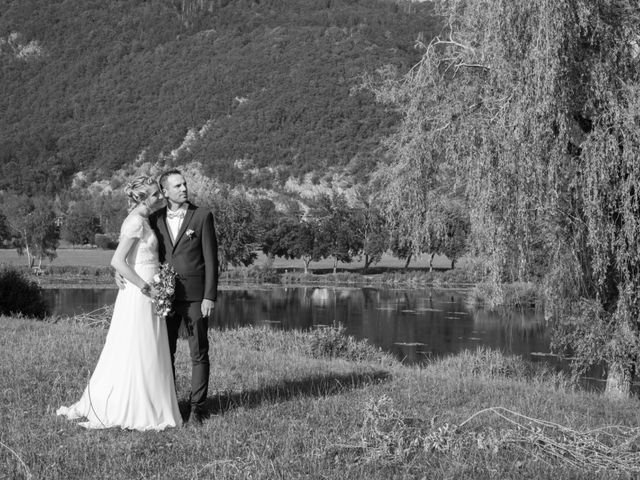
pixel 184 412
pixel 196 419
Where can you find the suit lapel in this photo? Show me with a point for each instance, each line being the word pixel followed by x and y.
pixel 162 226
pixel 183 226
pixel 163 230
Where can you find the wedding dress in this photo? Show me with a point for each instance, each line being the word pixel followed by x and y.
pixel 132 385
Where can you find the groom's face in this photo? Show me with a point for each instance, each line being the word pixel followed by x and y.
pixel 175 190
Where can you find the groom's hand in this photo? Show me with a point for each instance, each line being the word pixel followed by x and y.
pixel 207 307
pixel 120 281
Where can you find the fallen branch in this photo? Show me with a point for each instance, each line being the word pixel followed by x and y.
pixel 385 433
pixel 26 469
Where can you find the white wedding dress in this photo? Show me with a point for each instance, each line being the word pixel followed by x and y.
pixel 132 385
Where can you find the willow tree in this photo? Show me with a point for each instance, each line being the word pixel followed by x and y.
pixel 530 111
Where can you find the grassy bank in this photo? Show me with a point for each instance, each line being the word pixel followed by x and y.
pixel 284 407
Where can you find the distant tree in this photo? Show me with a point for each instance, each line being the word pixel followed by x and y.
pixel 236 229
pixel 111 209
pixel 81 224
pixel 294 238
pixel 339 227
pixel 5 230
pixel 401 248
pixel 33 225
pixel 271 241
pixel 449 232
pixel 457 224
pixel 266 219
pixel 371 227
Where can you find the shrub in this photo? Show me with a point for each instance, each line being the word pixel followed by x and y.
pixel 254 273
pixel 333 342
pixel 105 242
pixel 292 277
pixel 20 295
pixel 512 295
pixel 475 269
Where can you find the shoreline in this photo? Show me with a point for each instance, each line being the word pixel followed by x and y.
pixel 83 283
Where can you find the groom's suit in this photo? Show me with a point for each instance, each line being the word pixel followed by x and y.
pixel 194 256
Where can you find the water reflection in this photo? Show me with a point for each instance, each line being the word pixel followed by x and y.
pixel 73 301
pixel 414 325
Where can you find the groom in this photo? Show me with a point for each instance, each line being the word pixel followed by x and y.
pixel 187 240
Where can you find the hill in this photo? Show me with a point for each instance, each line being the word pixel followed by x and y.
pixel 260 85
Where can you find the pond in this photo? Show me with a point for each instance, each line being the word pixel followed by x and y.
pixel 412 324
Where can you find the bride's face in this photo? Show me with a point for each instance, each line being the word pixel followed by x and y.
pixel 155 199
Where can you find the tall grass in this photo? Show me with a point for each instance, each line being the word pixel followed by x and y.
pixel 279 410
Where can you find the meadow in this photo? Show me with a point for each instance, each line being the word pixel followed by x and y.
pixel 95 257
pixel 315 405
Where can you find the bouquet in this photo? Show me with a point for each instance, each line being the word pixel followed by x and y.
pixel 164 288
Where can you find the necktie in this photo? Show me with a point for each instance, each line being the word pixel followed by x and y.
pixel 177 214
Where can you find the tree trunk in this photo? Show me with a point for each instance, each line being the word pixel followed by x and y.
pixel 619 378
pixel 28 252
pixel 620 371
pixel 306 265
pixel 406 265
pixel 431 262
pixel 335 266
pixel 367 262
pixel 453 263
pixel 269 261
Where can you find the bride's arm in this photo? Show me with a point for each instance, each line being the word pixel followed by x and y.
pixel 119 262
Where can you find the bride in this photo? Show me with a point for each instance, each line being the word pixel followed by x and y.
pixel 132 385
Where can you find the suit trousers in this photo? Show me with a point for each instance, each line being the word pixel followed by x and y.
pixel 190 316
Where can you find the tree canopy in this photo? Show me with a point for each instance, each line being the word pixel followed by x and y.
pixel 528 111
pixel 32 225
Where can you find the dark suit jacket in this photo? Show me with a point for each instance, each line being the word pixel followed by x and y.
pixel 194 255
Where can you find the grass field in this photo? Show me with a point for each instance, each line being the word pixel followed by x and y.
pixel 281 410
pixel 95 257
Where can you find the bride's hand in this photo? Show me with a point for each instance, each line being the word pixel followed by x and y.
pixel 147 290
pixel 151 291
pixel 154 292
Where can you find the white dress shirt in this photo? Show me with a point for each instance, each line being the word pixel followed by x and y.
pixel 174 221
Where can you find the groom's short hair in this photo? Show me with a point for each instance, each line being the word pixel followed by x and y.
pixel 163 178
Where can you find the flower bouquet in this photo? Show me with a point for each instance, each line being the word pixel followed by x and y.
pixel 164 288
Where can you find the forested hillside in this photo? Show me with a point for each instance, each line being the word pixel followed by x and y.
pixel 92 84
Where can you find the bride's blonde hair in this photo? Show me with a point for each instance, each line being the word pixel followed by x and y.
pixel 136 190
